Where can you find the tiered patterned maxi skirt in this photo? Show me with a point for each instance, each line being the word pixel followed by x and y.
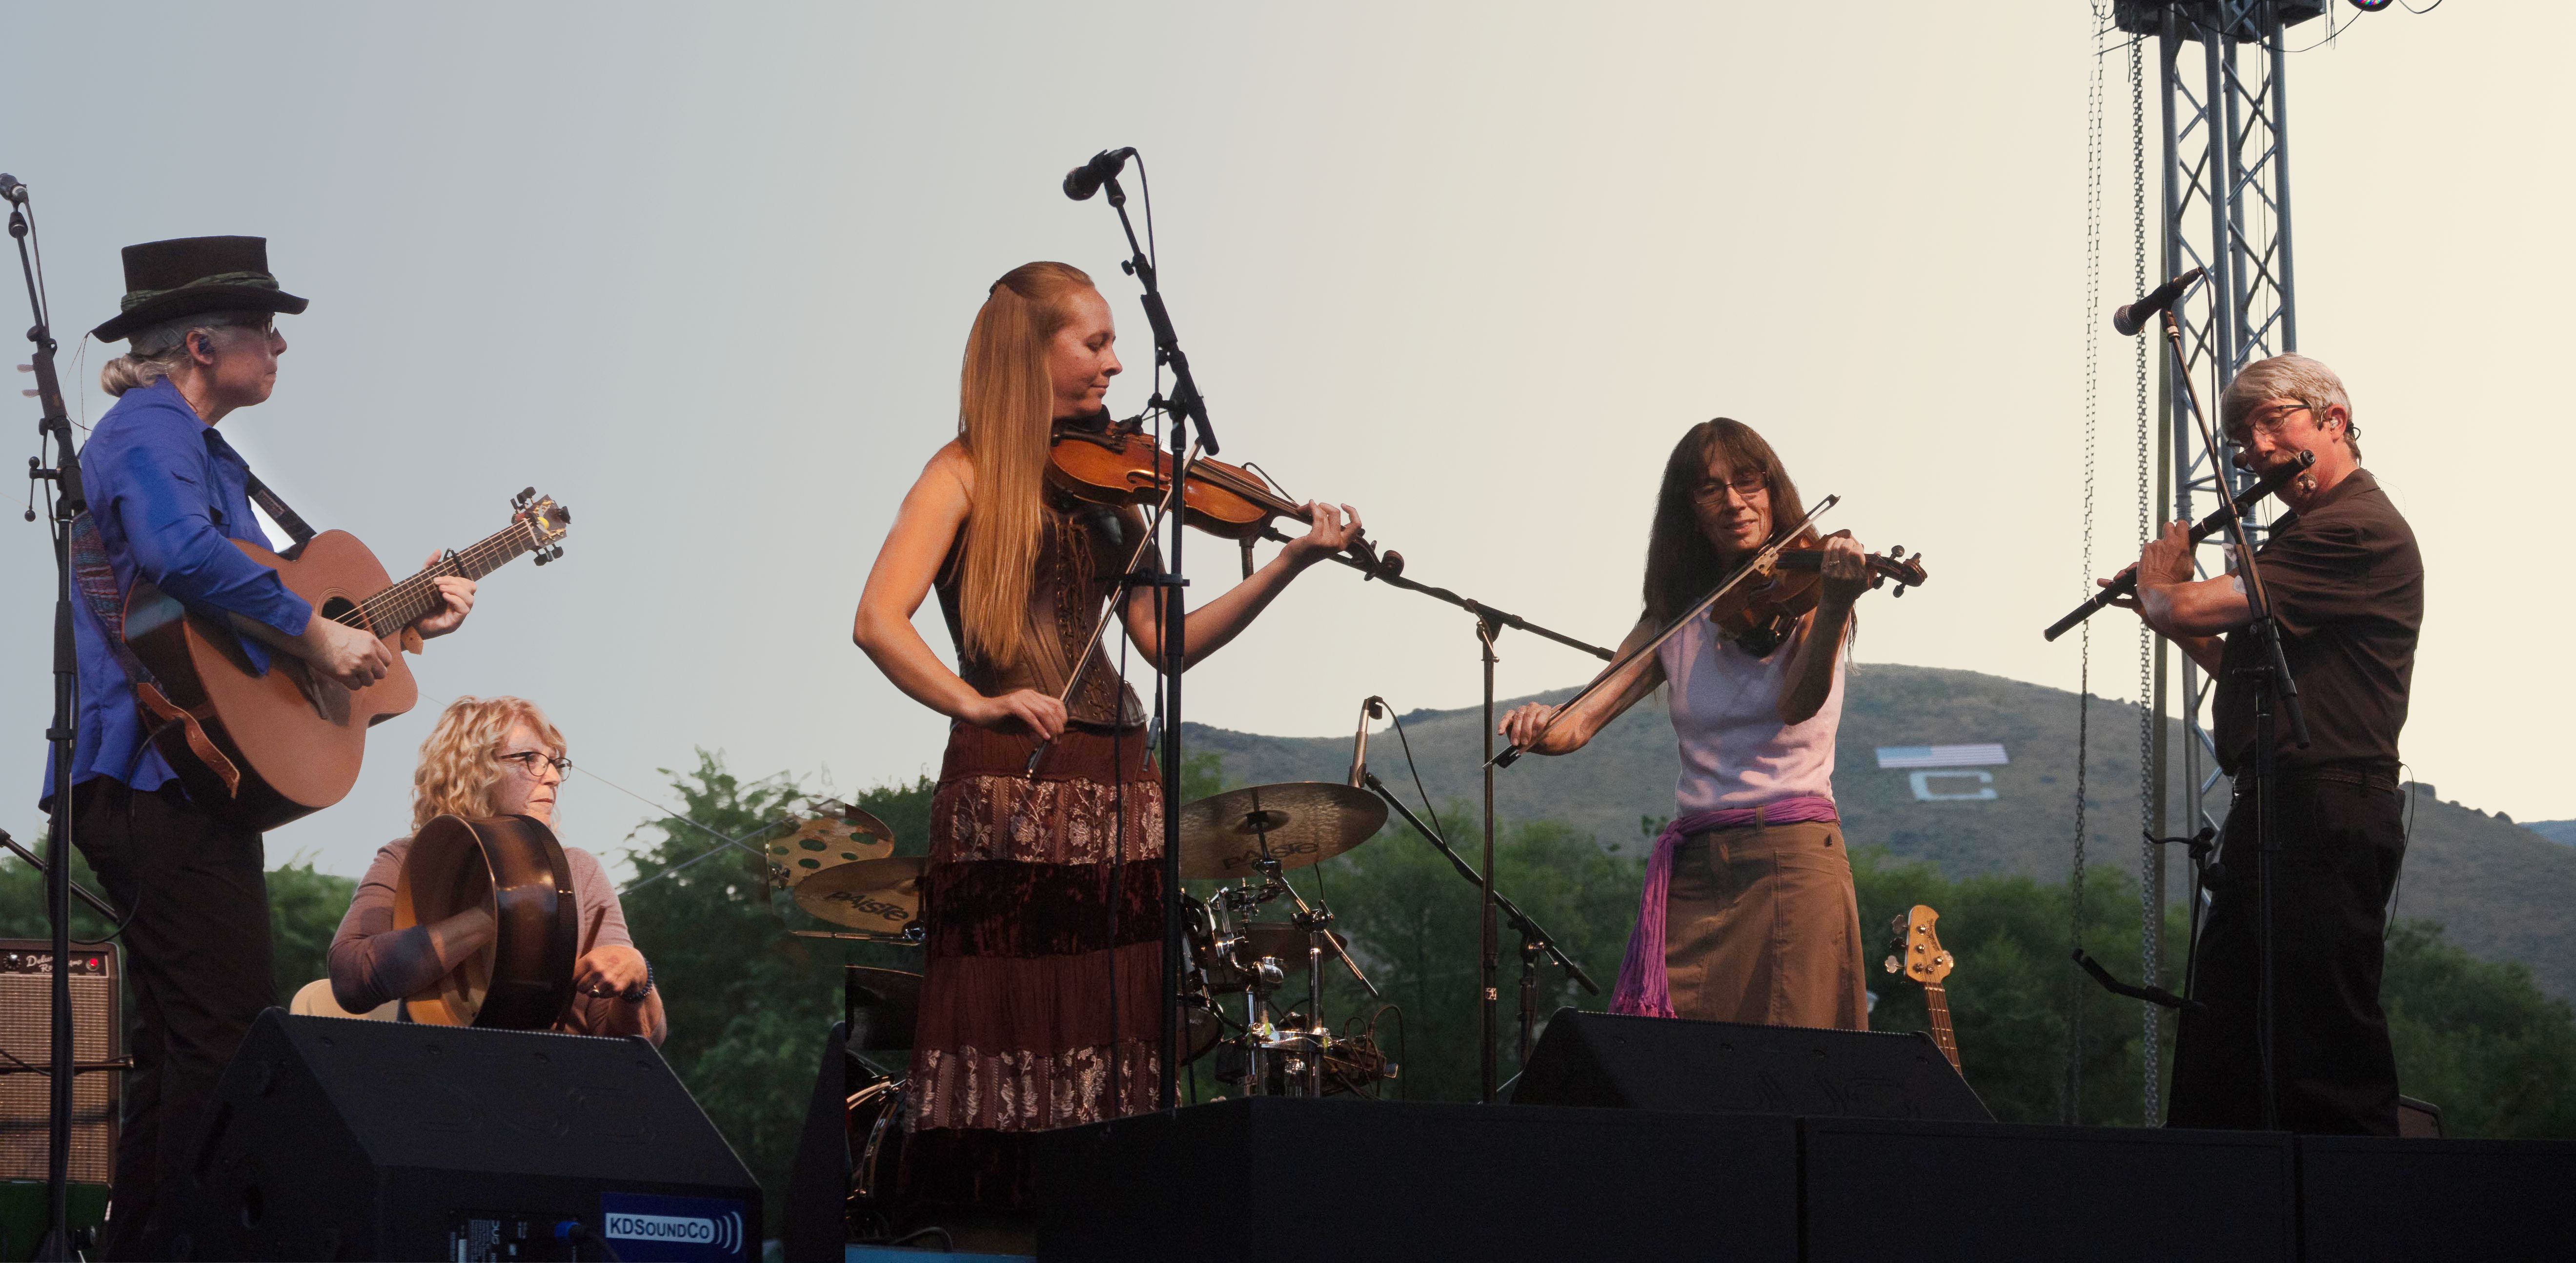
pixel 1032 927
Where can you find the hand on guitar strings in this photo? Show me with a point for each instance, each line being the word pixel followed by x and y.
pixel 351 657
pixel 459 594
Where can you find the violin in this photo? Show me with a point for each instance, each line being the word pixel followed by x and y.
pixel 1121 465
pixel 1763 612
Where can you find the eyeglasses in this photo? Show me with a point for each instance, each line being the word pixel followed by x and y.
pixel 528 761
pixel 2269 420
pixel 1745 486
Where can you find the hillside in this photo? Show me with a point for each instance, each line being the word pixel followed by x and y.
pixel 2500 891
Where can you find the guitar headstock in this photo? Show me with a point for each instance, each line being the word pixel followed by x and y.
pixel 1916 951
pixel 547 523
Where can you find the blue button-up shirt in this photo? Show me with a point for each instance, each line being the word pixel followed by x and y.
pixel 168 495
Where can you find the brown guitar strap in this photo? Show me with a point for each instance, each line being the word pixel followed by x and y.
pixel 164 713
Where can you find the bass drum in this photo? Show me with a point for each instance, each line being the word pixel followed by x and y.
pixel 875 1136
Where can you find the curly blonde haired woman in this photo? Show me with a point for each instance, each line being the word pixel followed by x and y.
pixel 491 756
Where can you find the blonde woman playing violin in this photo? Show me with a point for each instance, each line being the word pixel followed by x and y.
pixel 1017 1033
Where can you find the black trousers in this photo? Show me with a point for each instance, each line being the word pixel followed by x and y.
pixel 197 969
pixel 2341 844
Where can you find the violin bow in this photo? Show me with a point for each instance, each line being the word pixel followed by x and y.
pixel 1109 609
pixel 1757 563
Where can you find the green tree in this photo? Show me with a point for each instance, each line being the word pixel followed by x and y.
pixel 2478 1039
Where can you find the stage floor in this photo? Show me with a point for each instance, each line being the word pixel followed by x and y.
pixel 1302 1180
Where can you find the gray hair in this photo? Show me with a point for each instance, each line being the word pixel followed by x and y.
pixel 159 350
pixel 2289 377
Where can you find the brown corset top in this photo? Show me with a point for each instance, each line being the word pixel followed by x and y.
pixel 1081 555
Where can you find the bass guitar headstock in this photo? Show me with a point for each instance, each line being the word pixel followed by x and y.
pixel 1916 951
pixel 547 523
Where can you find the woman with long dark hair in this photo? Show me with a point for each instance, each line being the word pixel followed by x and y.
pixel 1017 1033
pixel 1748 913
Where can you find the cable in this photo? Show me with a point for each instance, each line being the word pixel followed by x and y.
pixel 2405 838
pixel 2072 1087
pixel 2151 901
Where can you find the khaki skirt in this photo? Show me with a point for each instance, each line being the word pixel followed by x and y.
pixel 1762 926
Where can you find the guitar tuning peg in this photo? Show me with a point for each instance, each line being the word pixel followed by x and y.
pixel 527 493
pixel 1894 965
pixel 543 558
pixel 558 552
pixel 1897 553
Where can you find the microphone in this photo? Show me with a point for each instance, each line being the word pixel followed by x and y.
pixel 2128 320
pixel 1085 180
pixel 1373 708
pixel 12 189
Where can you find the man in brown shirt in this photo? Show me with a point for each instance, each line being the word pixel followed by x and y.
pixel 2346 586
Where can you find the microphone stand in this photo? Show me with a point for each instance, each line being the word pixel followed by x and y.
pixel 1170 619
pixel 54 428
pixel 2274 686
pixel 1489 623
pixel 1535 940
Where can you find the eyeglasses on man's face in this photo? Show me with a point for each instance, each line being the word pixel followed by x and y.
pixel 2269 419
pixel 528 762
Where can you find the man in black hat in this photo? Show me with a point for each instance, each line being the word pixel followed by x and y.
pixel 167 495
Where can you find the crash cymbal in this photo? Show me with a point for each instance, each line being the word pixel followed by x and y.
pixel 885 1006
pixel 879 896
pixel 837 834
pixel 1298 823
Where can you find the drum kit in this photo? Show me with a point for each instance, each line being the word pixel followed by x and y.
pixel 839 866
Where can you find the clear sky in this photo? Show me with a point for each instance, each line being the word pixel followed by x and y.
pixel 704 274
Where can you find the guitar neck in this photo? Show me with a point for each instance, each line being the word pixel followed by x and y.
pixel 1938 1001
pixel 410 600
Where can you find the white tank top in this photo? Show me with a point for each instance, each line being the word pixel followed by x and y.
pixel 1726 713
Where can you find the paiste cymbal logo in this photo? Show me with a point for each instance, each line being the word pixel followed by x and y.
pixel 1248 859
pixel 870 905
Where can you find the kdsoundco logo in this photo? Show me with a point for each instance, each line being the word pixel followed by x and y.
pixel 723 1233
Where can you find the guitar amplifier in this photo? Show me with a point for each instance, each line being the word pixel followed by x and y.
pixel 26 1042
pixel 333 1138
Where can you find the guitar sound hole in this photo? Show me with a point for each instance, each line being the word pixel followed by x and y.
pixel 340 609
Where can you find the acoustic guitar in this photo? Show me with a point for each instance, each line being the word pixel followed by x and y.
pixel 1917 954
pixel 258 750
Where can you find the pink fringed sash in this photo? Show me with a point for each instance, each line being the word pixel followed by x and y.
pixel 1644 989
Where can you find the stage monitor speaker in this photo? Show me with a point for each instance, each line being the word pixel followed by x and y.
pixel 26 1044
pixel 330 1138
pixel 1622 1062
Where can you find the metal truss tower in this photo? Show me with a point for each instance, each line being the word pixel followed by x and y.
pixel 2224 93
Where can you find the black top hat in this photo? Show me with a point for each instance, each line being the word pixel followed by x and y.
pixel 165 280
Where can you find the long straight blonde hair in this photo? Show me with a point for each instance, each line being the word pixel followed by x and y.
pixel 1005 418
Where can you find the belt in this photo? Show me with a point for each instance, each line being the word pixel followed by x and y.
pixel 2369 778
